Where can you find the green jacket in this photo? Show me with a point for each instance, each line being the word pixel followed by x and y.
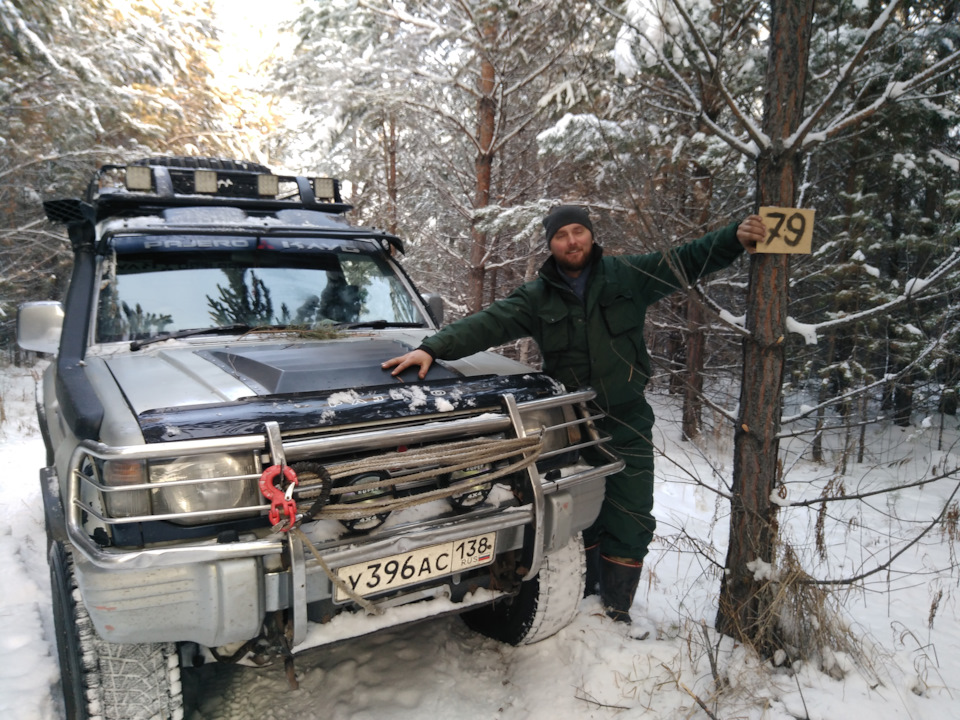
pixel 598 342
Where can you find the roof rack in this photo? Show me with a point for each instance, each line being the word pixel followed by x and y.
pixel 133 185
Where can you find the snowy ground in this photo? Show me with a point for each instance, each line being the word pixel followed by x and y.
pixel 905 621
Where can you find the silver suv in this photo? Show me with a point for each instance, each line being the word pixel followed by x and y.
pixel 230 474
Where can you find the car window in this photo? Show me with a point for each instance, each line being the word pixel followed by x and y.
pixel 143 294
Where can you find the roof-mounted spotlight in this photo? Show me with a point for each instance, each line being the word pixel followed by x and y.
pixel 268 185
pixel 205 181
pixel 139 177
pixel 325 189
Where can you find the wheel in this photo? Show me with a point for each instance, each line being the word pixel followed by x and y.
pixel 544 606
pixel 102 680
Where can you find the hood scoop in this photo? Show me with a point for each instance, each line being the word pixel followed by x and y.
pixel 316 367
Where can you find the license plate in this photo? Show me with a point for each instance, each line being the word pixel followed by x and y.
pixel 434 561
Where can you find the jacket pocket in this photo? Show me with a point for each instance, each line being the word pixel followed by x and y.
pixel 620 314
pixel 554 330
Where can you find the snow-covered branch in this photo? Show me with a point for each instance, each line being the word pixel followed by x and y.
pixel 401 15
pixel 893 92
pixel 749 149
pixel 915 288
pixel 92 152
pixel 755 133
pixel 34 40
pixel 846 73
pixel 729 320
pixel 864 389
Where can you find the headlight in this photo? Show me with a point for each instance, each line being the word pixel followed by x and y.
pixel 209 496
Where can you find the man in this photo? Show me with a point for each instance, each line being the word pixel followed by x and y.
pixel 586 312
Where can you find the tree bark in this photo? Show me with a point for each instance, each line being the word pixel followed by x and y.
pixel 486 121
pixel 696 335
pixel 675 349
pixel 744 597
pixel 390 160
pixel 693 387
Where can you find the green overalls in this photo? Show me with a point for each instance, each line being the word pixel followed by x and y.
pixel 598 343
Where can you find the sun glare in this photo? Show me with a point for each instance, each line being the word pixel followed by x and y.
pixel 250 35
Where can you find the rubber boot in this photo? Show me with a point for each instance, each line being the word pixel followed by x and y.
pixel 619 578
pixel 591 581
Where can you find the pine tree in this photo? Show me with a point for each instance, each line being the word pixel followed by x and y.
pixel 436 124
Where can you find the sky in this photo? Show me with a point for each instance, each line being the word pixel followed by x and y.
pixel 250 33
pixel 251 38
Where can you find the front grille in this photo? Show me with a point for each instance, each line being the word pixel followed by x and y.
pixel 391 481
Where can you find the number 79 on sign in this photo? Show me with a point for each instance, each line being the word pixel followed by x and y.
pixel 789 230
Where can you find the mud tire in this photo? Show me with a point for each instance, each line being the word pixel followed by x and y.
pixel 544 606
pixel 107 680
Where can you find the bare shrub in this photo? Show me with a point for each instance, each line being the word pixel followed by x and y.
pixel 949 523
pixel 804 622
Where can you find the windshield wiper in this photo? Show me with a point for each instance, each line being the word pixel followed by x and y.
pixel 214 330
pixel 377 325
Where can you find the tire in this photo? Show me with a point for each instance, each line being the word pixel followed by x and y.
pixel 202 163
pixel 102 680
pixel 544 606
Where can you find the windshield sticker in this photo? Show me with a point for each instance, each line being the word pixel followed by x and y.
pixel 160 243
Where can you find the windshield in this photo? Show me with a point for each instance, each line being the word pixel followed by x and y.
pixel 144 294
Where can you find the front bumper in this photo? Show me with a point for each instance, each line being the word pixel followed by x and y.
pixel 218 593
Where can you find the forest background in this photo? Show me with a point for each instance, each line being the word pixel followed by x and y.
pixel 457 123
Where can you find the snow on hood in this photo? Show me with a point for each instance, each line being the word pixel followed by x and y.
pixel 189 393
pixel 187 376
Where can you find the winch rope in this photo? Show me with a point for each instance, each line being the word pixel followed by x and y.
pixel 334 578
pixel 441 459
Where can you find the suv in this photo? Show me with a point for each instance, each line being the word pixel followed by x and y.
pixel 231 475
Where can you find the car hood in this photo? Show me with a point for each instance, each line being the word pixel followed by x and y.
pixel 190 393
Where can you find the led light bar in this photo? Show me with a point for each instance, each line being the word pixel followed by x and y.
pixel 170 180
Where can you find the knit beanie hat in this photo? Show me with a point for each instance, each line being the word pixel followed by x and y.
pixel 566 215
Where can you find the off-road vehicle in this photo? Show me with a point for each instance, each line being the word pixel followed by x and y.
pixel 231 475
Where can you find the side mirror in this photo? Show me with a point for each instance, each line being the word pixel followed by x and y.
pixel 435 305
pixel 39 325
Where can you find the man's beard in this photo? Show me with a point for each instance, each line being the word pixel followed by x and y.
pixel 574 266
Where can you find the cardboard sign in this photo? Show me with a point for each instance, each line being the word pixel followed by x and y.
pixel 789 230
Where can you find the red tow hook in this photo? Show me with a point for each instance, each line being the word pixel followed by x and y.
pixel 278 499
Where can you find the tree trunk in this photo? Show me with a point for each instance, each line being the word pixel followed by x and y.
pixel 486 121
pixel 390 160
pixel 744 599
pixel 696 336
pixel 675 349
pixel 693 387
pixel 823 392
